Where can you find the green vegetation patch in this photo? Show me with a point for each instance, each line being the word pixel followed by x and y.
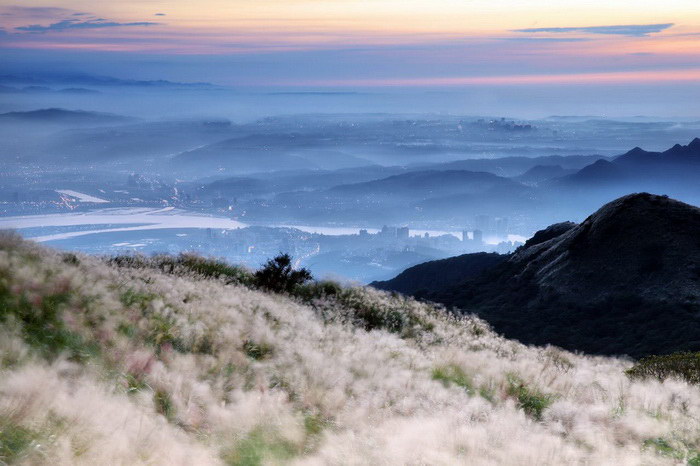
pixel 162 331
pixel 15 441
pixel 42 325
pixel 133 298
pixel 259 447
pixel 684 366
pixel 532 401
pixel 164 404
pixel 187 262
pixel 214 268
pixel 673 449
pixel 257 351
pixel 453 375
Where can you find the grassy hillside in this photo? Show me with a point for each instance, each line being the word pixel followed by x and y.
pixel 181 361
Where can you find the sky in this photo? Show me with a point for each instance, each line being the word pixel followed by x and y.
pixel 651 45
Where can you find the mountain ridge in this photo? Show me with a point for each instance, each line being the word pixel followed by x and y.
pixel 630 268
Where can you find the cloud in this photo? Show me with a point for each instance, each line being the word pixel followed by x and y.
pixel 68 24
pixel 35 12
pixel 633 30
pixel 545 39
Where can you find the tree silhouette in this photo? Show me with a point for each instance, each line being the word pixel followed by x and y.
pixel 279 276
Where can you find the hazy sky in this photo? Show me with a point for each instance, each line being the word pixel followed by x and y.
pixel 364 43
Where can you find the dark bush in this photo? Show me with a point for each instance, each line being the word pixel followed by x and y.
pixel 279 276
pixel 317 290
pixel 685 366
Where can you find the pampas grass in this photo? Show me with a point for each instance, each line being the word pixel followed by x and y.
pixel 158 367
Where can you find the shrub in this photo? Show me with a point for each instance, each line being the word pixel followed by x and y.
pixel 376 317
pixel 316 290
pixel 279 276
pixel 685 366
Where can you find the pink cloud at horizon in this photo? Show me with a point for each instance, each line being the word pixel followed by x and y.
pixel 574 78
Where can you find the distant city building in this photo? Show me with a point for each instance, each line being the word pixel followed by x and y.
pixel 482 223
pixel 402 233
pixel 501 226
pixel 465 236
pixel 478 236
pixel 363 232
pixel 388 231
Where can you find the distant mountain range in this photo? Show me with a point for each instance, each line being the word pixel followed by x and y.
pixel 45 90
pixel 262 152
pixel 418 185
pixel 689 154
pixel 639 165
pixel 84 79
pixel 62 116
pixel 540 173
pixel 517 166
pixel 624 281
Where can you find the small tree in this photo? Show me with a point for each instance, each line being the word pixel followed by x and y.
pixel 279 276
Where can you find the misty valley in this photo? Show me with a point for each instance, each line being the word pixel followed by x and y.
pixel 356 197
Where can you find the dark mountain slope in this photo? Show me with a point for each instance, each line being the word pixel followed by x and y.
pixel 624 281
pixel 440 274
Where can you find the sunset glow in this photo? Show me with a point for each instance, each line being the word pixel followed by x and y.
pixel 382 42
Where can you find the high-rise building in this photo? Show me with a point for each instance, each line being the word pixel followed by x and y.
pixel 388 231
pixel 465 236
pixel 501 225
pixel 402 233
pixel 478 236
pixel 482 223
